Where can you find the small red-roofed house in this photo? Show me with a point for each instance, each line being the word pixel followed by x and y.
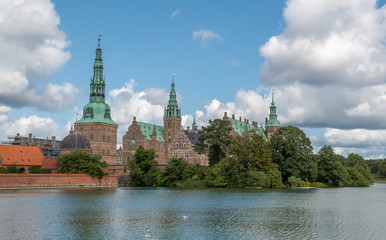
pixel 21 156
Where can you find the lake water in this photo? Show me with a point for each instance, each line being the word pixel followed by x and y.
pixel 162 213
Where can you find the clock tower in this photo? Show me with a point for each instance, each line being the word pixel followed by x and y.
pixel 172 116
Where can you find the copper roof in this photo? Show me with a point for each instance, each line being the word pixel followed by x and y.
pixel 21 155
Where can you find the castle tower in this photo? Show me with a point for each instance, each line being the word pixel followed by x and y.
pixel 272 124
pixel 172 115
pixel 96 123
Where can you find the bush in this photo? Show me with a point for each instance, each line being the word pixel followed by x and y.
pixel 81 162
pixel 38 169
pixel 258 179
pixel 294 182
pixel 3 170
pixel 314 184
pixel 276 178
pixel 13 169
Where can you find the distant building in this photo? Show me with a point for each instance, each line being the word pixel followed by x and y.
pixel 75 141
pixel 49 147
pixel 96 123
pixel 23 157
pixel 169 140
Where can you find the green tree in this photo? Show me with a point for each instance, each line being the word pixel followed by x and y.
pixel 382 169
pixel 373 165
pixel 292 151
pixel 79 161
pixel 216 139
pixel 143 167
pixel 174 172
pixel 252 151
pixel 359 173
pixel 330 169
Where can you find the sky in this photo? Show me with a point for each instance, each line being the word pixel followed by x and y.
pixel 324 60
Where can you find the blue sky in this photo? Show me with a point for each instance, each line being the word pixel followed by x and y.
pixel 326 60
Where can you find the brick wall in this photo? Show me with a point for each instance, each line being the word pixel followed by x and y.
pixel 56 180
pixel 103 139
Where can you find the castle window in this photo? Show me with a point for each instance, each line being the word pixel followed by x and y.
pixel 108 138
pixel 108 151
pixel 103 152
pixel 177 144
pixel 91 137
pixel 175 154
pixel 184 145
pixel 92 128
pixel 103 138
pixel 186 154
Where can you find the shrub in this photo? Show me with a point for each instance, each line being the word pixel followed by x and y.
pixel 38 169
pixel 294 182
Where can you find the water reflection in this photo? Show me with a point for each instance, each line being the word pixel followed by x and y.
pixel 159 213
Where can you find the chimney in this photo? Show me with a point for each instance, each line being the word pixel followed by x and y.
pixel 240 119
pixel 53 138
pixel 30 135
pixel 247 121
pixel 134 119
pixel 233 116
pixel 266 121
pixel 225 114
pixel 188 129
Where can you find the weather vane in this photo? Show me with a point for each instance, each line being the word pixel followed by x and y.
pixel 99 40
pixel 173 76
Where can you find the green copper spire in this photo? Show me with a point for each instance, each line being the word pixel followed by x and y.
pixel 172 110
pixel 97 111
pixel 273 122
pixel 98 84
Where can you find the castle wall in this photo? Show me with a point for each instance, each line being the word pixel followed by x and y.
pixel 55 180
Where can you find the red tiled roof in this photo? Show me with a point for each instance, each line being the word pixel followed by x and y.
pixel 50 164
pixel 21 155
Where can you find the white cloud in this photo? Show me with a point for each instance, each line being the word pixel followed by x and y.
pixel 147 106
pixel 175 13
pixel 38 126
pixel 236 62
pixel 5 114
pixel 34 47
pixel 205 36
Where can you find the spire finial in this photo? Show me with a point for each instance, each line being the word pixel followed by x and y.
pixel 99 40
pixel 273 91
pixel 173 76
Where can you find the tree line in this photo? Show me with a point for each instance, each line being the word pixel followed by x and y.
pixel 251 161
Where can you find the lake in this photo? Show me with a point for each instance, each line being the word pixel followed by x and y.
pixel 164 213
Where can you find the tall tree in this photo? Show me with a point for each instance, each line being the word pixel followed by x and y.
pixel 292 151
pixel 382 169
pixel 358 170
pixel 216 140
pixel 143 167
pixel 330 169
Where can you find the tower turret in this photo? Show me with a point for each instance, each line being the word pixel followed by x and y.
pixel 172 110
pixel 272 124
